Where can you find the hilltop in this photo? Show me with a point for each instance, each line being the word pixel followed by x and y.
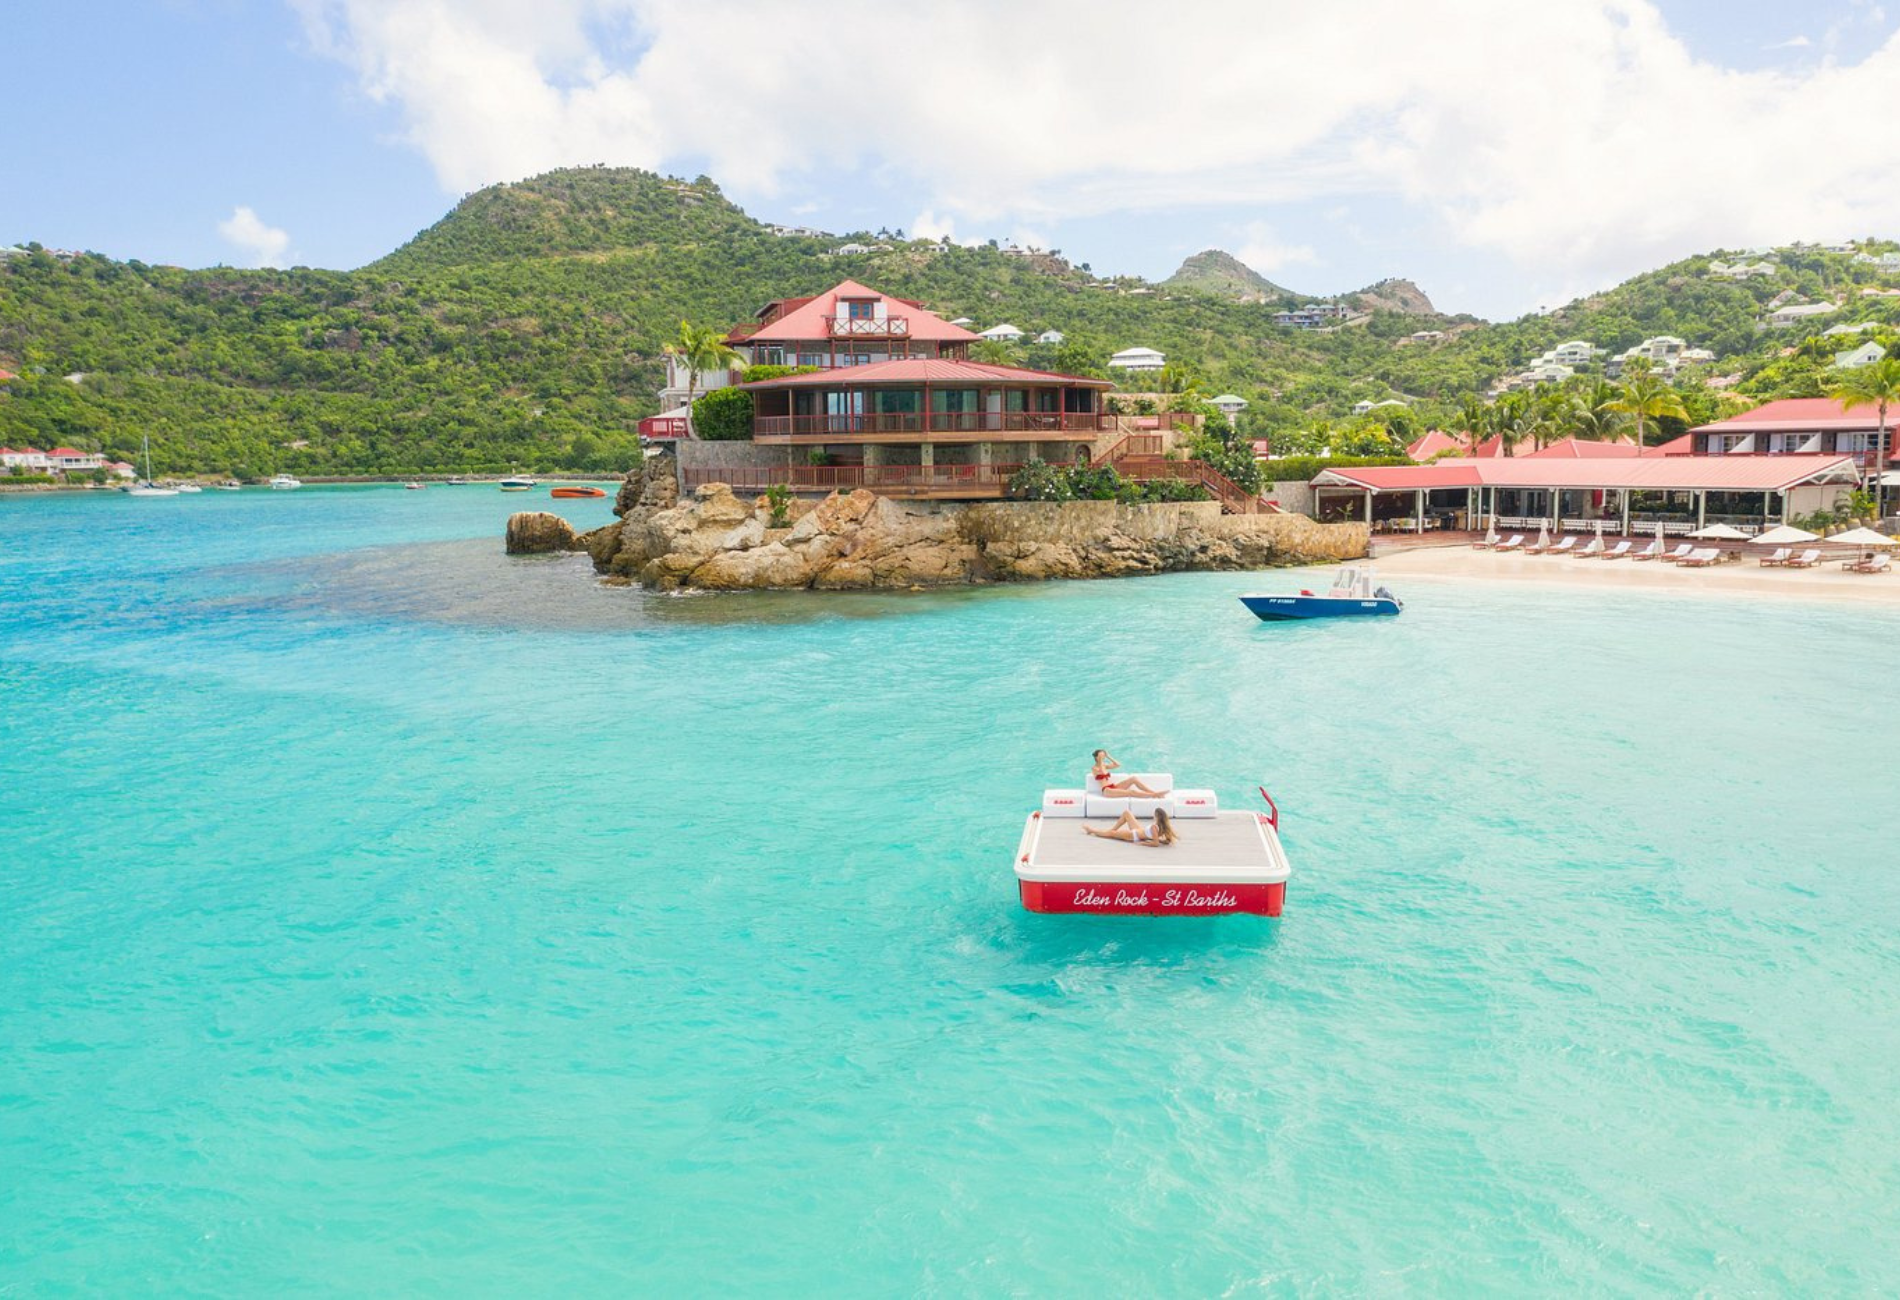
pixel 525 329
pixel 1226 276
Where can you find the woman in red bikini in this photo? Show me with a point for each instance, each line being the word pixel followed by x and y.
pixel 1132 788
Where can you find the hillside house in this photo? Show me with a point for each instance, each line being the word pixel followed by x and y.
pixel 1795 313
pixel 1864 355
pixel 1794 426
pixel 1138 360
pixel 1229 405
pixel 1004 333
pixel 1053 338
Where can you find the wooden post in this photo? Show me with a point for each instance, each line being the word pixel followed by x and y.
pixel 1701 507
pixel 1418 515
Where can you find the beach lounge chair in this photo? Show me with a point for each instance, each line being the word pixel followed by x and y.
pixel 1564 547
pixel 1682 552
pixel 1700 558
pixel 1805 560
pixel 1617 552
pixel 1650 552
pixel 1776 560
pixel 1594 549
pixel 1868 564
pixel 1516 543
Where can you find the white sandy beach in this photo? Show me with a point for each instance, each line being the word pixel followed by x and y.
pixel 1824 582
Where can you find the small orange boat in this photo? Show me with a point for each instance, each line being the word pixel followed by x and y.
pixel 577 492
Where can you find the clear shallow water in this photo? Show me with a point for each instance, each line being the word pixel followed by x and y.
pixel 379 914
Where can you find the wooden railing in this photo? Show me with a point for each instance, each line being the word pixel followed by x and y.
pixel 1134 444
pixel 843 427
pixel 888 480
pixel 1234 499
pixel 866 327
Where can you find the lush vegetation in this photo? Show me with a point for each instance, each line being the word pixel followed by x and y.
pixel 1038 480
pixel 528 330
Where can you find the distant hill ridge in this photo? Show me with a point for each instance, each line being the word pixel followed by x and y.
pixel 1222 274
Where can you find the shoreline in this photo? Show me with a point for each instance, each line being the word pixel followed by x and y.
pixel 1562 572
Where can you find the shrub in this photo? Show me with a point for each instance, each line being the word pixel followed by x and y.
pixel 723 415
pixel 780 498
pixel 1303 468
pixel 1040 481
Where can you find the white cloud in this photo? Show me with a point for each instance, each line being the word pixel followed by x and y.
pixel 1267 253
pixel 1792 43
pixel 261 244
pixel 1582 141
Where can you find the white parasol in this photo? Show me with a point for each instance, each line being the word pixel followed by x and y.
pixel 1719 533
pixel 1786 535
pixel 1863 537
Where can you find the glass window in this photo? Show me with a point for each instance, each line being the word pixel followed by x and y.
pixel 953 399
pixel 861 309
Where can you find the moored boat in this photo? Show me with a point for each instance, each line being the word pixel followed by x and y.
pixel 413 487
pixel 1354 594
pixel 1221 861
pixel 568 492
pixel 145 487
pixel 285 483
pixel 229 485
pixel 517 483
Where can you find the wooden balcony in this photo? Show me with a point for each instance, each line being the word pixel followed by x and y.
pixel 856 327
pixel 943 482
pixel 938 426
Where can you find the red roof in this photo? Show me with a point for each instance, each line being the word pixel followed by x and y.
pixel 923 370
pixel 67 451
pixel 1683 446
pixel 807 319
pixel 1579 449
pixel 6 375
pixel 1802 414
pixel 1435 443
pixel 1658 473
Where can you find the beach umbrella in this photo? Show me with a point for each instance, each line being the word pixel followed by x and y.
pixel 1543 537
pixel 1491 535
pixel 1865 537
pixel 1786 535
pixel 1659 536
pixel 1719 533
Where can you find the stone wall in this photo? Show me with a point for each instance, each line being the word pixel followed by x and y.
pixel 1295 495
pixel 693 454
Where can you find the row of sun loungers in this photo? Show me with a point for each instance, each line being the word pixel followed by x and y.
pixel 1685 554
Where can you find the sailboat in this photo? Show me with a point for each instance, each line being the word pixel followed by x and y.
pixel 149 488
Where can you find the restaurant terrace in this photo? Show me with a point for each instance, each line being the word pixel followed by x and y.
pixel 1678 493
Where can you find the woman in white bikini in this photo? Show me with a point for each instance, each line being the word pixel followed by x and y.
pixel 1132 788
pixel 1128 829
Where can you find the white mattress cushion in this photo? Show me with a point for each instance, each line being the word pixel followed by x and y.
pixel 1108 805
pixel 1065 803
pixel 1193 803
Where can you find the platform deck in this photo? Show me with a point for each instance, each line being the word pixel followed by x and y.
pixel 1227 847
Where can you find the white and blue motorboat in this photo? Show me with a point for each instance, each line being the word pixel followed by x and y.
pixel 1354 594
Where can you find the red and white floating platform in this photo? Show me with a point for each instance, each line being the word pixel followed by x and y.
pixel 1223 862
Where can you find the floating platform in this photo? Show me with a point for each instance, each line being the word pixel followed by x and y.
pixel 1230 862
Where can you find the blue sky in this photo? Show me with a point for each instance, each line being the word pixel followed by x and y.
pixel 1505 156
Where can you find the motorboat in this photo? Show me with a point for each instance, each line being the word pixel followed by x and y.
pixel 414 487
pixel 518 483
pixel 1222 861
pixel 187 487
pixel 229 485
pixel 458 480
pixel 569 492
pixel 1354 594
pixel 145 487
pixel 285 483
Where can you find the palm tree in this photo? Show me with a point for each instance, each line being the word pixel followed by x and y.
pixel 1593 416
pixel 1878 383
pixel 1474 413
pixel 700 348
pixel 1644 397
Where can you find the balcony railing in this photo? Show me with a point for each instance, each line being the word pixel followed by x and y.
pixel 842 427
pixel 866 327
pixel 886 480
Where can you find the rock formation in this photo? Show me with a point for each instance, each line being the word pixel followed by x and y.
pixel 536 532
pixel 717 541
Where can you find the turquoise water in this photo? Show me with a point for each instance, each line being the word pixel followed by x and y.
pixel 382 915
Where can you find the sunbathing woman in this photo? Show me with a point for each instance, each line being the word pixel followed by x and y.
pixel 1132 788
pixel 1128 829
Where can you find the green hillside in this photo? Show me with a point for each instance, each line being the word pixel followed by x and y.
pixel 525 330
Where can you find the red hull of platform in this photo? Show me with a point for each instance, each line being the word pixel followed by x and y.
pixel 1170 899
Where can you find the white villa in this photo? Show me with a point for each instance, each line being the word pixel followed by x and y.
pixel 1138 359
pixel 1004 333
pixel 1743 270
pixel 1883 261
pixel 1229 405
pixel 1056 337
pixel 1795 313
pixel 1864 355
pixel 1368 407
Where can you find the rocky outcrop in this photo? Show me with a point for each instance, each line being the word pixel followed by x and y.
pixel 536 532
pixel 717 541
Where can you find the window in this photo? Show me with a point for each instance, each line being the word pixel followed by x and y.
pixel 1786 443
pixel 953 399
pixel 771 356
pixel 860 309
pixel 1723 443
pixel 812 359
pixel 1851 442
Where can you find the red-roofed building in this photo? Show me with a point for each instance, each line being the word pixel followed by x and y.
pixel 847 325
pixel 1581 494
pixel 1797 426
pixel 1436 443
pixel 1583 449
pixel 6 375
pixel 70 460
pixel 28 460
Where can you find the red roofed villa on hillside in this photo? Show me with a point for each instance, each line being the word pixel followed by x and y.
pixel 1804 426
